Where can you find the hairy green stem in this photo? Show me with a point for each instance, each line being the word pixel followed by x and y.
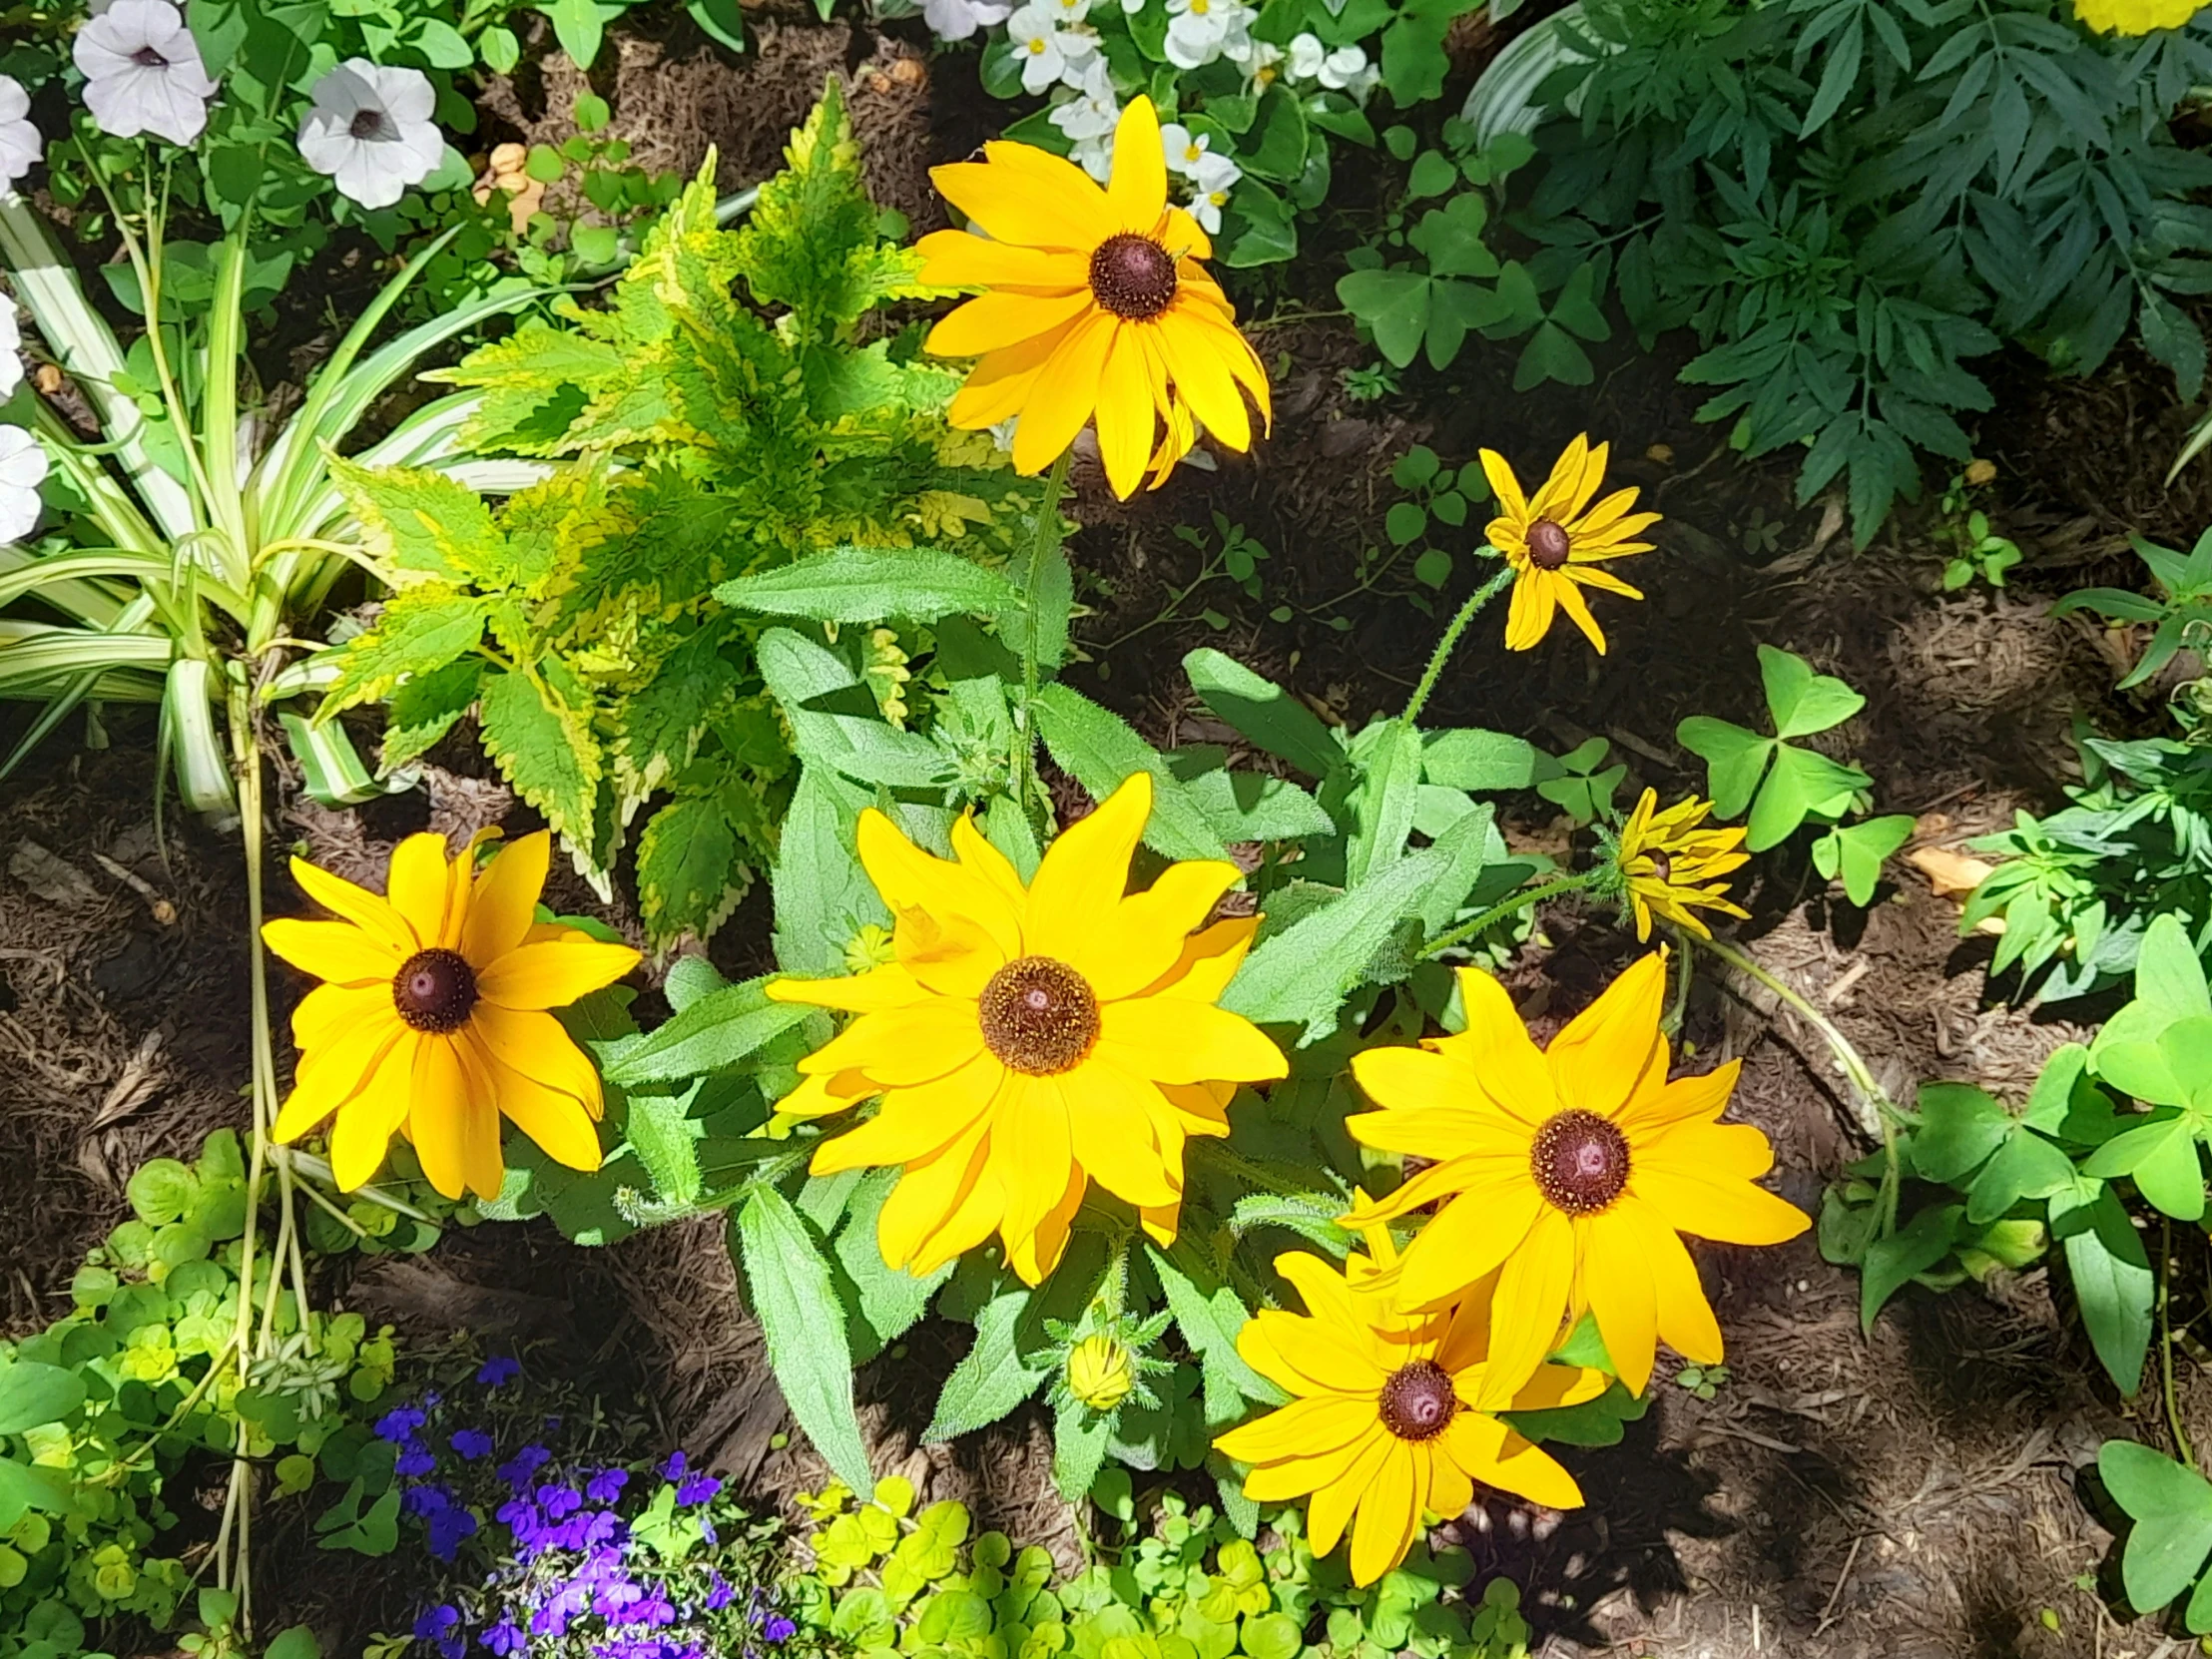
pixel 1442 654
pixel 1874 1107
pixel 1518 900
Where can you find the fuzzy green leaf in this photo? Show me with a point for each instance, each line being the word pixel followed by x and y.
pixel 804 1324
pixel 991 1378
pixel 1101 751
pixel 874 584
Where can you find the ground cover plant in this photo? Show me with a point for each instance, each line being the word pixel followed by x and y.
pixel 1246 1013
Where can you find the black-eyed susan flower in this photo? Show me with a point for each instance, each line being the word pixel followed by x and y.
pixel 431 1020
pixel 1030 1039
pixel 1394 1414
pixel 1667 866
pixel 2134 17
pixel 1569 1172
pixel 1100 1373
pixel 1094 307
pixel 1556 540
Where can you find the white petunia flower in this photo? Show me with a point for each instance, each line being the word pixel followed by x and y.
pixel 143 71
pixel 1199 31
pixel 20 145
pixel 22 470
pixel 1184 151
pixel 11 350
pixel 1342 67
pixel 370 130
pixel 1305 58
pixel 1046 51
pixel 958 19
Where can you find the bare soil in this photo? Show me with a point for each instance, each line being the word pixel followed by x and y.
pixel 1918 1492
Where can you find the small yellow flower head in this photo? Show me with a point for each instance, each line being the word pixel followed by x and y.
pixel 1569 1172
pixel 1668 865
pixel 2134 17
pixel 1033 1037
pixel 1394 1413
pixel 1100 1373
pixel 870 948
pixel 1094 307
pixel 431 1021
pixel 1556 539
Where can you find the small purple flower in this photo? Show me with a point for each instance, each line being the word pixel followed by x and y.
pixel 448 1527
pixel 436 1622
pixel 698 1489
pixel 499 1370
pixel 779 1629
pixel 400 1423
pixel 606 1486
pixel 471 1443
pixel 505 1638
pixel 425 1500
pixel 673 1469
pixel 559 1502
pixel 414 1458
pixel 518 1470
pixel 720 1593
pixel 600 1527
pixel 708 1532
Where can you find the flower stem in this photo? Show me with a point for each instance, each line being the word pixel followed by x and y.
pixel 2166 1341
pixel 1518 900
pixel 1874 1105
pixel 1044 541
pixel 1442 654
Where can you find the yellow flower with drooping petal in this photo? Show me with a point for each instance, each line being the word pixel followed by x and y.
pixel 2135 17
pixel 1569 1172
pixel 1032 1038
pixel 1095 305
pixel 1394 1414
pixel 1556 540
pixel 1669 866
pixel 431 1020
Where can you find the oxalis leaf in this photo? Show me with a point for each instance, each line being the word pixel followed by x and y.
pixel 801 1316
pixel 869 584
pixel 2171 1506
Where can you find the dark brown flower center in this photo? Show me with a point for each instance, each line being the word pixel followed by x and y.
pixel 1038 1016
pixel 435 990
pixel 1580 1162
pixel 1133 276
pixel 1661 865
pixel 1418 1401
pixel 1548 545
pixel 368 124
pixel 147 58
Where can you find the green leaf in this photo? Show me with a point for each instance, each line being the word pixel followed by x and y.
pixel 1264 712
pixel 1803 785
pixel 1735 760
pixel 991 1378
pixel 1100 750
pixel 1801 700
pixel 1393 305
pixel 2169 975
pixel 1302 974
pixel 823 896
pixel 2112 1278
pixel 422 631
pixel 427 706
pixel 2171 1506
pixel 1252 807
pixel 803 1324
pixel 893 1300
pixel 1961 1127
pixel 1914 1248
pixel 32 1394
pixel 1388 769
pixel 718 1031
pixel 1862 849
pixel 421 520
pixel 23 1487
pixel 1209 1315
pixel 1595 1423
pixel 545 749
pixel 874 584
pixel 1080 1437
pixel 1479 762
pixel 689 875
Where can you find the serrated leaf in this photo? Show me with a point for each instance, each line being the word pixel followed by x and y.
pixel 874 584
pixel 427 706
pixel 422 631
pixel 688 873
pixel 1300 975
pixel 1101 751
pixel 545 750
pixel 892 1299
pixel 421 520
pixel 804 1324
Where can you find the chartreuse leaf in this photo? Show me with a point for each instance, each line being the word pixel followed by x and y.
pixel 1264 712
pixel 545 749
pixel 804 1324
pixel 1735 760
pixel 2171 1506
pixel 1803 785
pixel 421 629
pixel 1801 700
pixel 419 520
pixel 874 584
pixel 1961 1127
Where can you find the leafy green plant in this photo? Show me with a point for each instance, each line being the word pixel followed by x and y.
pixel 2167 1549
pixel 2179 615
pixel 1978 551
pixel 681 437
pixel 1894 189
pixel 1435 494
pixel 1785 786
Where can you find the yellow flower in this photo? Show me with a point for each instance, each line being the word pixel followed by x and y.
pixel 1670 865
pixel 2134 17
pixel 1100 1373
pixel 431 1021
pixel 1569 1172
pixel 1094 304
pixel 1556 541
pixel 1032 1039
pixel 1394 1414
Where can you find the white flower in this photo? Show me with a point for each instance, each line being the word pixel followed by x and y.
pixel 1093 112
pixel 1259 59
pixel 1307 56
pixel 958 19
pixel 11 350
pixel 22 470
pixel 1184 151
pixel 1199 30
pixel 1046 52
pixel 143 71
pixel 370 130
pixel 1343 67
pixel 1094 155
pixel 20 145
pixel 1210 184
pixel 1069 12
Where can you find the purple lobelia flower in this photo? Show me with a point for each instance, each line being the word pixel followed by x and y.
pixel 606 1486
pixel 400 1423
pixel 471 1443
pixel 414 1459
pixel 499 1370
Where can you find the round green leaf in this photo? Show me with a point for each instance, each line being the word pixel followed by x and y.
pixel 163 1190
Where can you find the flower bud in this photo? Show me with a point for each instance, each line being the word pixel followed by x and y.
pixel 1100 1373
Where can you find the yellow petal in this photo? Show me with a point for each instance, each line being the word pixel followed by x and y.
pixel 1209 960
pixel 337 951
pixel 438 1115
pixel 1713 1151
pixel 1686 1322
pixel 505 901
pixel 1390 1513
pixel 1126 416
pixel 1511 504
pixel 1496 1456
pixel 1138 941
pixel 328 1007
pixel 365 1124
pixel 555 1121
pixel 1713 1203
pixel 1085 872
pixel 1331 1506
pixel 1529 616
pixel 538 1046
pixel 1697 1099
pixel 1201 372
pixel 826 1092
pixel 1308 1355
pixel 919 883
pixel 1031 1152
pixel 1472 1235
pixel 949 954
pixel 1556 1386
pixel 1035 1254
pixel 1617 1284
pixel 999 386
pixel 890 987
pixel 1607 1050
pixel 1174 1041
pixel 930 1189
pixel 1565 590
pixel 1532 1300
pixel 481 1160
pixel 1019 199
pixel 974 851
pixel 1451 1490
pixel 418 883
pixel 1433 1104
pixel 336 1066
pixel 915 1123
pixel 537 976
pixel 368 910
pixel 970 1221
pixel 1003 317
pixel 1496 1045
pixel 1559 489
pixel 1138 191
pixel 1065 395
pixel 961 260
pixel 1110 1134
pixel 899 1046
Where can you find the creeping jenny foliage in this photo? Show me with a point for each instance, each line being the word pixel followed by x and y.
pixel 722 414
